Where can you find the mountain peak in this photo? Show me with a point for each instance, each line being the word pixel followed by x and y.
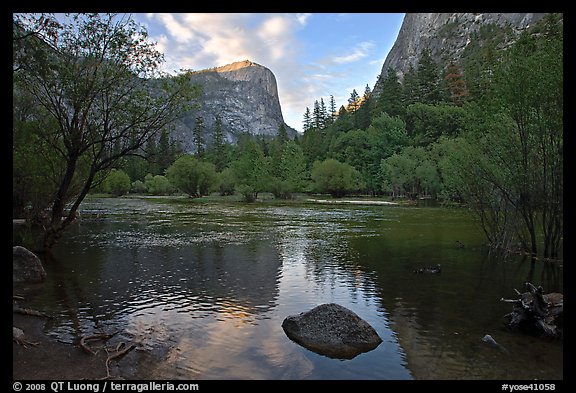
pixel 236 66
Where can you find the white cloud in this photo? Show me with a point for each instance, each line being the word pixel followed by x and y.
pixel 198 41
pixel 177 30
pixel 360 51
pixel 303 18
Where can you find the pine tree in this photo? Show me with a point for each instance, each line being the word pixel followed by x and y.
pixel 353 101
pixel 410 92
pixel 198 136
pixel 390 98
pixel 282 137
pixel 332 108
pixel 219 146
pixel 323 114
pixel 307 120
pixel 428 79
pixel 316 115
pixel 367 92
pixel 455 84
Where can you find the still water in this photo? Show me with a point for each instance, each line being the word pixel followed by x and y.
pixel 202 289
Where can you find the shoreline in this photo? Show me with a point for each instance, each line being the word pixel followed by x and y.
pixel 50 359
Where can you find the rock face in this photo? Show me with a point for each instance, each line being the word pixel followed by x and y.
pixel 445 34
pixel 26 266
pixel 243 95
pixel 332 330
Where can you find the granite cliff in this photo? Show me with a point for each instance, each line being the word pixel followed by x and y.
pixel 446 35
pixel 243 95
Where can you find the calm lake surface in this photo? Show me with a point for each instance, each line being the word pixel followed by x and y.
pixel 203 289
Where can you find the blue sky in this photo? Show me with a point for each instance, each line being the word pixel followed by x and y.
pixel 311 55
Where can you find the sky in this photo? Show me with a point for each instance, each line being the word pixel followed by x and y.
pixel 312 55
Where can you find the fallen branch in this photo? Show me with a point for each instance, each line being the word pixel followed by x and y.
pixel 119 354
pixel 19 338
pixel 100 336
pixel 28 311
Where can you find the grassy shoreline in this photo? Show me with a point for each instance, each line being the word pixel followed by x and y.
pixel 298 199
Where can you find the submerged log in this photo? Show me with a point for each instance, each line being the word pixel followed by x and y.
pixel 537 313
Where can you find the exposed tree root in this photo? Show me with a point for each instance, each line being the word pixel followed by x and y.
pixel 113 354
pixel 537 312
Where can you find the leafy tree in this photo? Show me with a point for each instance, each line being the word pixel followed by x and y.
pixel 138 187
pixel 226 182
pixel 251 170
pixel 335 177
pixel 293 173
pixel 514 160
pixel 192 176
pixel 117 183
pixel 425 123
pixel 412 172
pixel 158 185
pixel 89 77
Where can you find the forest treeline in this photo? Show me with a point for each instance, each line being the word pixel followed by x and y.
pixel 485 131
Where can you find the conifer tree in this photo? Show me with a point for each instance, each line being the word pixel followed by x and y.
pixel 455 84
pixel 307 120
pixel 390 98
pixel 198 136
pixel 353 101
pixel 332 109
pixel 323 114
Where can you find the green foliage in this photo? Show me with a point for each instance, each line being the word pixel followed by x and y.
pixel 86 77
pixel 426 122
pixel 514 165
pixel 412 173
pixel 117 183
pixel 226 182
pixel 192 176
pixel 138 187
pixel 252 169
pixel 158 185
pixel 390 98
pixel 335 177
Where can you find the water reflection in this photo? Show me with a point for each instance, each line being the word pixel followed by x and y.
pixel 203 290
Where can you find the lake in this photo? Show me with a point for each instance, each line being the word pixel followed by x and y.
pixel 203 288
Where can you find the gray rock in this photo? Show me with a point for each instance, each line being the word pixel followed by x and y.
pixel 488 339
pixel 332 330
pixel 446 35
pixel 243 95
pixel 26 266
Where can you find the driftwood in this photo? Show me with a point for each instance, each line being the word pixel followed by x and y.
pixel 120 353
pixel 112 354
pixel 537 313
pixel 29 311
pixel 100 336
pixel 19 338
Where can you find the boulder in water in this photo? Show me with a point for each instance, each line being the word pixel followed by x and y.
pixel 332 330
